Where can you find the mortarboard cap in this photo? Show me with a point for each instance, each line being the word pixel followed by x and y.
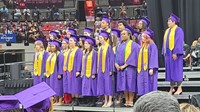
pixel 56 43
pixel 130 29
pixel 72 31
pixel 35 95
pixel 40 40
pixel 116 32
pixel 150 33
pixel 54 33
pixel 104 34
pixel 105 18
pixel 175 18
pixel 146 21
pixel 88 30
pixel 9 102
pixel 90 40
pixel 76 38
pixel 66 39
pixel 82 37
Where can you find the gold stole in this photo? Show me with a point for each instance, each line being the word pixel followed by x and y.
pixel 128 49
pixel 144 51
pixel 88 66
pixel 104 53
pixel 71 59
pixel 50 64
pixel 38 63
pixel 65 60
pixel 171 38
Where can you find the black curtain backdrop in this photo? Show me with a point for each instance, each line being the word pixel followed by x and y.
pixel 187 10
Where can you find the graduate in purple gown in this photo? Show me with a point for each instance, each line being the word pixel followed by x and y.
pixel 143 25
pixel 54 70
pixel 173 54
pixel 126 64
pixel 81 42
pixel 40 58
pixel 73 64
pixel 70 32
pixel 89 72
pixel 147 65
pixel 65 48
pixel 105 69
pixel 88 32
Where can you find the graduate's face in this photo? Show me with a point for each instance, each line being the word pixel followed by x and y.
pixel 80 42
pixel 64 44
pixel 121 27
pixel 68 34
pixel 38 46
pixel 140 24
pixel 171 23
pixel 86 34
pixel 124 35
pixel 101 39
pixel 72 42
pixel 87 45
pixel 104 24
pixel 53 48
pixel 97 40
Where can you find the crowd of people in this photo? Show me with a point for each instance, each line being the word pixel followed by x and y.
pixel 86 65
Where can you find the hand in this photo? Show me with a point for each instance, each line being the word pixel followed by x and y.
pixel 123 67
pixel 93 76
pixel 59 76
pixel 110 73
pixel 117 67
pixel 174 56
pixel 151 71
pixel 77 74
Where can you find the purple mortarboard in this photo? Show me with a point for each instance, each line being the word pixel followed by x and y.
pixel 88 30
pixel 123 19
pixel 104 34
pixel 40 40
pixel 8 103
pixel 82 37
pixel 150 33
pixel 175 18
pixel 136 33
pixel 90 40
pixel 130 29
pixel 146 21
pixel 35 95
pixel 105 18
pixel 66 39
pixel 56 43
pixel 76 38
pixel 116 32
pixel 72 31
pixel 54 33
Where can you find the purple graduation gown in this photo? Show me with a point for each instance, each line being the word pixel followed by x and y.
pixel 127 77
pixel 104 80
pixel 55 83
pixel 174 68
pixel 89 85
pixel 139 39
pixel 41 78
pixel 42 106
pixel 75 83
pixel 146 82
pixel 65 79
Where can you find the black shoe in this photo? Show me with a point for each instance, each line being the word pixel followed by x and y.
pixel 76 103
pixel 72 103
pixel 93 104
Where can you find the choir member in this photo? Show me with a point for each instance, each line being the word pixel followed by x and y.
pixel 105 22
pixel 143 25
pixel 173 54
pixel 126 65
pixel 89 72
pixel 147 64
pixel 88 32
pixel 40 58
pixel 73 70
pixel 70 32
pixel 81 42
pixel 105 69
pixel 54 70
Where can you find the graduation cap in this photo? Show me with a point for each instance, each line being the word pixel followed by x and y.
pixel 88 30
pixel 40 40
pixel 9 102
pixel 72 31
pixel 105 18
pixel 82 37
pixel 150 33
pixel 175 18
pixel 130 29
pixel 74 37
pixel 146 21
pixel 116 32
pixel 104 34
pixel 66 39
pixel 54 33
pixel 35 97
pixel 90 40
pixel 56 43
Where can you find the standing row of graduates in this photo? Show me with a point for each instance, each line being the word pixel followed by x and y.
pixel 85 67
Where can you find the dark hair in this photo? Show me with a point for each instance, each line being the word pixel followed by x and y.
pixel 90 50
pixel 123 22
pixel 144 27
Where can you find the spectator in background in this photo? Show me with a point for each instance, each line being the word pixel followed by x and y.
pixel 48 14
pixel 9 30
pixel 110 12
pixel 97 24
pixel 67 23
pixel 75 24
pixel 1 30
pixel 36 14
pixel 4 12
pixel 17 14
pixel 123 13
pixel 55 12
pixel 26 13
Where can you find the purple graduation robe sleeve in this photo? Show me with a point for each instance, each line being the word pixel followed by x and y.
pixel 60 64
pixel 153 56
pixel 94 63
pixel 79 54
pixel 111 58
pixel 179 41
pixel 132 59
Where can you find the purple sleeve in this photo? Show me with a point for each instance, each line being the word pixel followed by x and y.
pixel 78 64
pixel 179 41
pixel 60 63
pixel 45 56
pixel 111 59
pixel 153 56
pixel 132 59
pixel 94 62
